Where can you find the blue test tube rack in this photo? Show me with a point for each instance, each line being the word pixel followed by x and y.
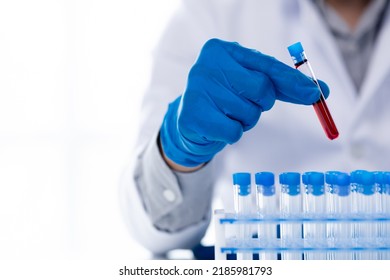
pixel 339 241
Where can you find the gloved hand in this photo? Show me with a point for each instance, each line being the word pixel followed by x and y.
pixel 228 88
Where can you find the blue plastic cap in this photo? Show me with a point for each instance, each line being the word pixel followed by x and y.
pixel 380 181
pixel 368 181
pixel 313 178
pixel 330 177
pixel 387 178
pixel 364 180
pixel 342 179
pixel 356 176
pixel 343 190
pixel 296 52
pixel 267 181
pixel 379 177
pixel 314 182
pixel 291 182
pixel 368 189
pixel 368 178
pixel 242 179
pixel 244 190
pixel 387 183
pixel 268 190
pixel 342 182
pixel 290 178
pixel 265 178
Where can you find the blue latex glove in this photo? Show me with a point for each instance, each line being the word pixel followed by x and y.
pixel 228 88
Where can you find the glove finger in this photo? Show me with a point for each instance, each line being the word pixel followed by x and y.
pixel 253 86
pixel 226 97
pixel 324 87
pixel 236 107
pixel 214 61
pixel 290 84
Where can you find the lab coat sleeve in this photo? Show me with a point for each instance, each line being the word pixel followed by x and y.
pixel 163 209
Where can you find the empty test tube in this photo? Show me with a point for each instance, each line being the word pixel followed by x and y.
pixel 380 204
pixel 301 63
pixel 314 206
pixel 386 207
pixel 243 208
pixel 342 208
pixel 366 232
pixel 242 193
pixel 267 208
pixel 290 207
pixel 330 183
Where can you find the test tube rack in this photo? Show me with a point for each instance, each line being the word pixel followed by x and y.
pixel 228 240
pixel 331 216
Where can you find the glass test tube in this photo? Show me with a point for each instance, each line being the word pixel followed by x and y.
pixel 386 206
pixel 301 63
pixel 267 208
pixel 243 207
pixel 342 208
pixel 380 204
pixel 330 183
pixel 314 206
pixel 365 201
pixel 290 207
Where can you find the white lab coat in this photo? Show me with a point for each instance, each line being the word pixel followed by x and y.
pixel 288 137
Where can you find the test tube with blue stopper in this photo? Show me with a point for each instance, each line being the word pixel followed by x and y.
pixel 386 207
pixel 330 183
pixel 291 207
pixel 314 206
pixel 342 200
pixel 267 208
pixel 366 207
pixel 243 208
pixel 302 63
pixel 380 203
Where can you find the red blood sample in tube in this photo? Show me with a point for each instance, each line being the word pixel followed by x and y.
pixel 325 118
pixel 301 63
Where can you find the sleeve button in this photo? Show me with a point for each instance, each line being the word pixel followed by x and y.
pixel 169 195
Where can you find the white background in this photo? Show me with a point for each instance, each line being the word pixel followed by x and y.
pixel 72 73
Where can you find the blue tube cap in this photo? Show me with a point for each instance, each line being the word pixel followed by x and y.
pixel 342 180
pixel 243 180
pixel 291 182
pixel 265 178
pixel 267 181
pixel 368 182
pixel 380 180
pixel 314 182
pixel 364 181
pixel 379 177
pixel 330 177
pixel 296 52
pixel 313 178
pixel 387 183
pixel 387 178
pixel 356 176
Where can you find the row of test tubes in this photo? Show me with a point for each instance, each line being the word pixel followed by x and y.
pixel 315 215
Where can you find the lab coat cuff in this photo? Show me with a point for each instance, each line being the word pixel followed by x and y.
pixel 197 192
pixel 160 189
pixel 174 200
